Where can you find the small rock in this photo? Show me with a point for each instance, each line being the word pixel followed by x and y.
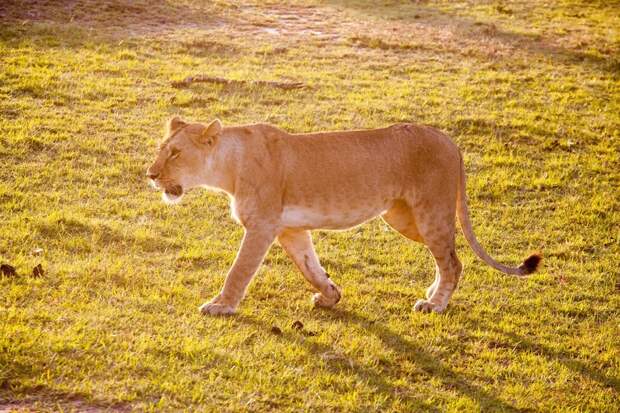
pixel 38 271
pixel 298 325
pixel 276 330
pixel 8 270
pixel 37 251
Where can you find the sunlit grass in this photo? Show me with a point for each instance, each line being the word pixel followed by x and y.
pixel 531 93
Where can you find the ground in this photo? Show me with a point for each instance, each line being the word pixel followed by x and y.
pixel 530 90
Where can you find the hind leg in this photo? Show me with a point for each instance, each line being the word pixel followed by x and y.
pixel 431 289
pixel 400 217
pixel 436 230
pixel 448 269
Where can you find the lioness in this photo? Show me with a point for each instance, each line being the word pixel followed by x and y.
pixel 283 185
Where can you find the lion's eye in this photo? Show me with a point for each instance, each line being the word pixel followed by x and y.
pixel 174 152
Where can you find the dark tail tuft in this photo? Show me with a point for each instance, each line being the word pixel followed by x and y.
pixel 530 265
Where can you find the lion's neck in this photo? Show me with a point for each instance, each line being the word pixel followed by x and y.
pixel 220 165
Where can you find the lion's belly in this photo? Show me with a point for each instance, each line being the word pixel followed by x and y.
pixel 304 217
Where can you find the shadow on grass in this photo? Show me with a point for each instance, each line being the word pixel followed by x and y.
pixel 342 365
pixel 75 23
pixel 99 234
pixel 15 396
pixel 523 344
pixel 423 360
pixel 142 16
pixel 469 31
pixel 43 397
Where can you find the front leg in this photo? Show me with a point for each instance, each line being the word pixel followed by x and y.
pixel 298 245
pixel 255 244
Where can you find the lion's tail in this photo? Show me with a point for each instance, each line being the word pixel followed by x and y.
pixel 528 266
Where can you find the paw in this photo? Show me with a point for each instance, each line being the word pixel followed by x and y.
pixel 426 306
pixel 217 307
pixel 321 300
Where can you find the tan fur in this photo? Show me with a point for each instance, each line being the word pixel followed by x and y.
pixel 284 185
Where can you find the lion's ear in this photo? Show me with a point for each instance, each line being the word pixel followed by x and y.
pixel 174 124
pixel 214 128
pixel 210 133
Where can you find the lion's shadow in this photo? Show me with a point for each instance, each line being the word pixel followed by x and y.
pixel 428 363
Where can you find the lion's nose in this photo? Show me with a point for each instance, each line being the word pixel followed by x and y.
pixel 152 175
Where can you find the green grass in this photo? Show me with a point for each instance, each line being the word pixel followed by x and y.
pixel 530 90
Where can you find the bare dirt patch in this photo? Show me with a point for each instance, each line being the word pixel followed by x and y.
pixel 295 22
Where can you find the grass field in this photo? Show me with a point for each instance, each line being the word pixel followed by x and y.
pixel 530 90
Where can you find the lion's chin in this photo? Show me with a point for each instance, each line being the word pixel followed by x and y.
pixel 173 195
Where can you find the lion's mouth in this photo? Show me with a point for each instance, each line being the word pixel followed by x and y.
pixel 175 190
pixel 173 193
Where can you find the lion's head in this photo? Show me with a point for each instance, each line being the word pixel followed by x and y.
pixel 182 157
